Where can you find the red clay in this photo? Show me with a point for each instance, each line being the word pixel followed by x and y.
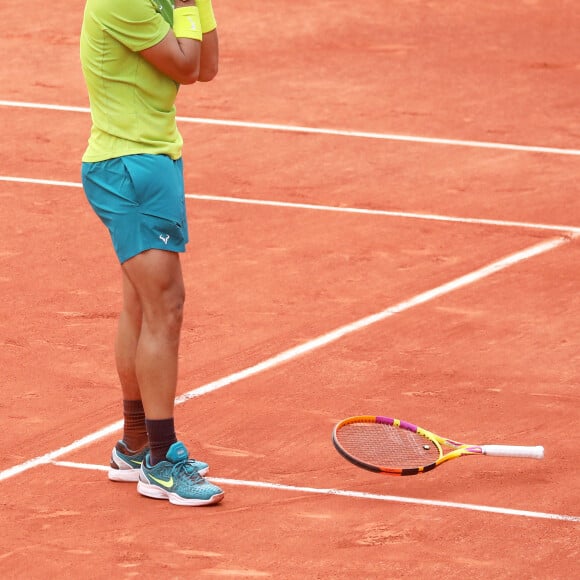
pixel 495 362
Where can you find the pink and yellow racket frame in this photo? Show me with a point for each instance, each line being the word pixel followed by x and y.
pixel 457 449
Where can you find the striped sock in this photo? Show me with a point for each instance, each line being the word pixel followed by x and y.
pixel 134 430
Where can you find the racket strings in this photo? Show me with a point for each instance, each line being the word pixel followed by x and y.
pixel 387 446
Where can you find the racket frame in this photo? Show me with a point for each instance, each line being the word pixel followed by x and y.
pixel 457 449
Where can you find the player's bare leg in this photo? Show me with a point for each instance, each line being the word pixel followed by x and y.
pixel 128 333
pixel 157 281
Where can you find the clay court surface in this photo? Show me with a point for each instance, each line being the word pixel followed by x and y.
pixel 414 160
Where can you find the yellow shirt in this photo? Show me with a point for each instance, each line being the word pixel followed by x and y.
pixel 132 103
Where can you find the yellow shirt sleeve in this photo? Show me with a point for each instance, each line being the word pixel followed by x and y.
pixel 136 24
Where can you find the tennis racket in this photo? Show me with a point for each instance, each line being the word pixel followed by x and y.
pixel 396 447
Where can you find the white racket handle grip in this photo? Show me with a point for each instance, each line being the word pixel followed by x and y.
pixel 513 451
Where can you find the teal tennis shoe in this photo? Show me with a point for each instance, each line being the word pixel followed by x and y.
pixel 125 464
pixel 177 479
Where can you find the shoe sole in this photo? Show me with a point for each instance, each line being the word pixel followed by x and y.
pixel 150 490
pixel 124 475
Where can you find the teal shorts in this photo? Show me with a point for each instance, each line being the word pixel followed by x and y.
pixel 141 200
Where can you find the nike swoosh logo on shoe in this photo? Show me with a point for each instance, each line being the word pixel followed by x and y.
pixel 164 483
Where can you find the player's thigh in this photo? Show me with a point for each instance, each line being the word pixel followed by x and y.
pixel 131 300
pixel 157 279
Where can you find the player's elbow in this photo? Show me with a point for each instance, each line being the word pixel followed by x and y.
pixel 187 80
pixel 208 73
pixel 187 75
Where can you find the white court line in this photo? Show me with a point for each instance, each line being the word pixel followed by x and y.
pixel 387 213
pixel 358 495
pixel 319 131
pixel 331 208
pixel 311 345
pixel 52 182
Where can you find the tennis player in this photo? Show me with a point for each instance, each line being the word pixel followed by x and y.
pixel 135 54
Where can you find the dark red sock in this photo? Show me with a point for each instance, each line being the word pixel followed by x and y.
pixel 161 438
pixel 134 430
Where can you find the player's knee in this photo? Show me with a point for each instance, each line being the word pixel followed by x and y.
pixel 164 315
pixel 175 315
pixel 172 311
pixel 176 307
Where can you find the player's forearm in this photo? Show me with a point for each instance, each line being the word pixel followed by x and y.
pixel 189 52
pixel 208 66
pixel 208 56
pixel 187 61
pixel 188 32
